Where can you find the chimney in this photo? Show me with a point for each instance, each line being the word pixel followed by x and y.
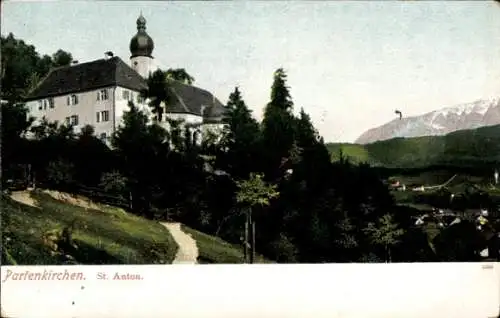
pixel 108 55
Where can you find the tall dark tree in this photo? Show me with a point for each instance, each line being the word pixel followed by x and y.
pixel 87 145
pixel 136 143
pixel 278 126
pixel 14 124
pixel 159 93
pixel 23 67
pixel 240 138
pixel 19 62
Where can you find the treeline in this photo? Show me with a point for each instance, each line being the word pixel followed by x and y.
pixel 473 149
pixel 306 208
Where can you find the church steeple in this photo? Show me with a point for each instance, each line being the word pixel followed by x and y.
pixel 141 23
pixel 141 49
pixel 141 44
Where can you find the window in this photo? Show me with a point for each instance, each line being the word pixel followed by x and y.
pixel 105 115
pixel 126 95
pixel 74 120
pixel 102 116
pixel 103 137
pixel 102 94
pixel 68 120
pixel 45 103
pixel 140 99
pixel 72 100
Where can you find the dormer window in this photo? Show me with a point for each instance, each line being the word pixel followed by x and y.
pixel 72 100
pixel 102 94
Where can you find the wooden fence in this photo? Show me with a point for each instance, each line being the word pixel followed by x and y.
pixel 99 195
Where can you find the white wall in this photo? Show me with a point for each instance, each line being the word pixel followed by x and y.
pixel 86 110
pixel 121 104
pixel 142 65
pixel 88 106
pixel 216 129
pixel 409 290
pixel 188 118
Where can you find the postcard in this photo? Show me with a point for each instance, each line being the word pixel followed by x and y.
pixel 250 158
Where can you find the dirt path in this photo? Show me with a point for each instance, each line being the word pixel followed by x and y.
pixel 188 250
pixel 23 197
pixel 73 199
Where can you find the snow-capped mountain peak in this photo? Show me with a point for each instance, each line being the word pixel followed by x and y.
pixel 483 112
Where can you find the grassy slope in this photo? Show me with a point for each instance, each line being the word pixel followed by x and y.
pixel 465 147
pixel 109 236
pixel 215 250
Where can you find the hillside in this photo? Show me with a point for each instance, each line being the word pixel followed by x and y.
pixel 460 148
pixel 484 112
pixel 213 250
pixel 32 234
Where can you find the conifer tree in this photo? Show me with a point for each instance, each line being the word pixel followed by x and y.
pixel 240 138
pixel 141 147
pixel 278 126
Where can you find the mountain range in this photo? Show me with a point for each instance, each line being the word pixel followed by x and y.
pixel 480 113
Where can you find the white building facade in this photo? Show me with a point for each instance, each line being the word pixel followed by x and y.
pixel 97 93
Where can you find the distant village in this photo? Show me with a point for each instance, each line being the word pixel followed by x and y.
pixel 448 217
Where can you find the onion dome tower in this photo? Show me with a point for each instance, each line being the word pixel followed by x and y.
pixel 141 49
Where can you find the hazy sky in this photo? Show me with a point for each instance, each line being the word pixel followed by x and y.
pixel 350 64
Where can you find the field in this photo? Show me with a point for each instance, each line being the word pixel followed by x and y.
pixel 35 233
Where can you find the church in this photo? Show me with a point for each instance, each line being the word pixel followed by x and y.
pixel 97 93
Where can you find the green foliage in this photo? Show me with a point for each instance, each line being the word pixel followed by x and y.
pixel 23 67
pixel 458 243
pixel 315 208
pixel 61 58
pixel 284 250
pixel 255 191
pixel 461 148
pixel 60 173
pixel 179 74
pixel 213 250
pixel 105 236
pixel 159 93
pixel 384 232
pixel 278 126
pixel 280 95
pixel 113 182
pixel 14 126
pixel 240 138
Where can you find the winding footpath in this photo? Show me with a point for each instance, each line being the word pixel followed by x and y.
pixel 188 250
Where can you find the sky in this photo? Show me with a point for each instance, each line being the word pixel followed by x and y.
pixel 350 64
